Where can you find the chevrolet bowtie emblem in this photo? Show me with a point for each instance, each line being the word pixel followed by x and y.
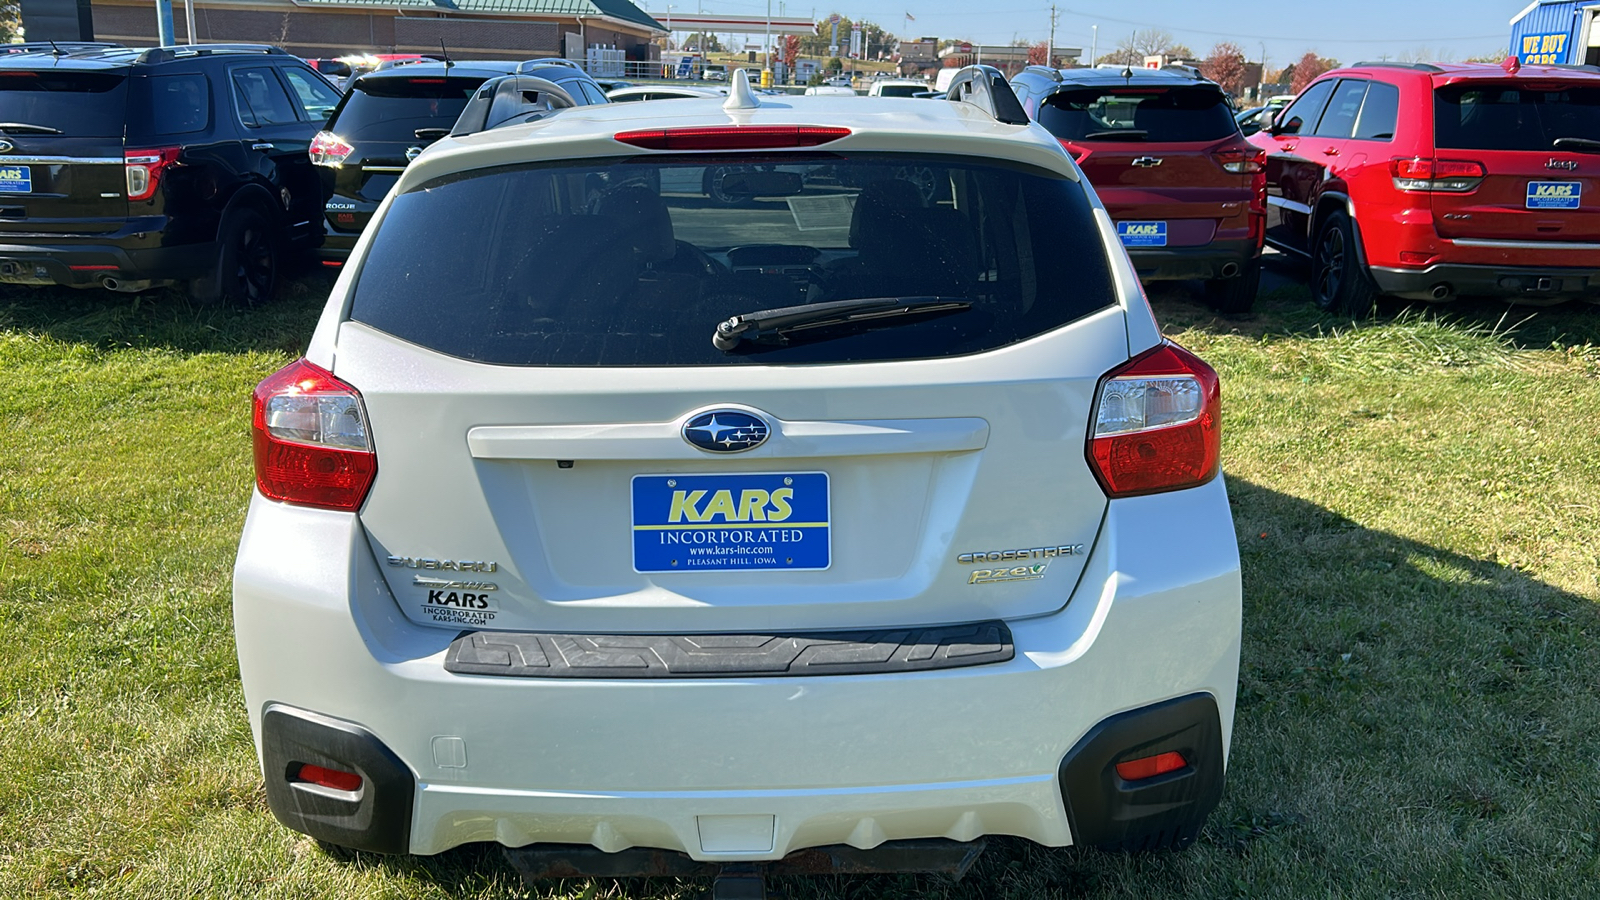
pixel 1147 162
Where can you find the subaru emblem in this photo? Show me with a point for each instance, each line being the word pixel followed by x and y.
pixel 725 431
pixel 6 146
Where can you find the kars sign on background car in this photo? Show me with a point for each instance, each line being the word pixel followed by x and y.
pixel 607 522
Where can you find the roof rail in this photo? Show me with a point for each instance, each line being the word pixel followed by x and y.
pixel 499 100
pixel 57 48
pixel 531 64
pixel 184 51
pixel 1384 64
pixel 985 87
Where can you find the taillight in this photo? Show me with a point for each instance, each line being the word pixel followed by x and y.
pixel 311 440
pixel 1448 176
pixel 144 168
pixel 328 149
pixel 1157 424
pixel 732 137
pixel 1242 162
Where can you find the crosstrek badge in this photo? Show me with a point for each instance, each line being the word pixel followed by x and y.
pixel 745 522
pixel 1142 234
pixel 1555 194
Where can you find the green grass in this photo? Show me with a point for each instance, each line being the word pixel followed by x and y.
pixel 1415 501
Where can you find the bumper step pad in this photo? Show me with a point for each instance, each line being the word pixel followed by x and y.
pixel 530 655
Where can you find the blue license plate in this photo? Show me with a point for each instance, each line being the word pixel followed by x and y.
pixel 1142 234
pixel 16 180
pixel 1555 194
pixel 742 523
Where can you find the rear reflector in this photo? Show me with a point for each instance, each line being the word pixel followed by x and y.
pixel 1157 424
pixel 311 442
pixel 1150 766
pixel 732 137
pixel 329 778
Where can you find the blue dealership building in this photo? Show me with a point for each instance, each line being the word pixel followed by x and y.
pixel 1557 32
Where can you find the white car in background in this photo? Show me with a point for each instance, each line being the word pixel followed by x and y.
pixel 898 87
pixel 636 534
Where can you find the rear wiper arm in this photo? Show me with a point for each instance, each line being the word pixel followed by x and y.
pixel 769 325
pixel 27 128
pixel 1580 145
pixel 1132 134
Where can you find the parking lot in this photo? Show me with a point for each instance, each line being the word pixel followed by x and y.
pixel 1414 506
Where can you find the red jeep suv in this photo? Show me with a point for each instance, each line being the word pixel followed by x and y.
pixel 1431 181
pixel 1164 154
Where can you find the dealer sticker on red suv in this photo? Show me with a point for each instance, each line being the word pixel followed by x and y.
pixel 1555 194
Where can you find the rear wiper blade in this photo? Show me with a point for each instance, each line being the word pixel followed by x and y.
pixel 1132 134
pixel 27 128
pixel 1580 145
pixel 770 325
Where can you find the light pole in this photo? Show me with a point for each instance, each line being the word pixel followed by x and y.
pixel 1094 45
pixel 766 75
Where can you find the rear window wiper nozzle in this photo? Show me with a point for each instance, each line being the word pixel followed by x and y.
pixel 27 128
pixel 769 325
pixel 1576 144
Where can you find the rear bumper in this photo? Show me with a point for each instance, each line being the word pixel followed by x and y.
pixel 1528 283
pixel 750 769
pixel 1219 259
pixel 81 264
pixel 336 245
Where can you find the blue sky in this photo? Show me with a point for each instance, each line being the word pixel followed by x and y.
pixel 1347 30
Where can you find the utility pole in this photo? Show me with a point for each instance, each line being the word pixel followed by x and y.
pixel 164 23
pixel 1050 48
pixel 766 79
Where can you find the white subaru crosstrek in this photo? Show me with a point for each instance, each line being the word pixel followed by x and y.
pixel 600 519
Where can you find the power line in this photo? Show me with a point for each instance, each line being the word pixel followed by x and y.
pixel 1269 37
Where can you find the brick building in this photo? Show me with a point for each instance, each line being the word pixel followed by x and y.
pixel 469 29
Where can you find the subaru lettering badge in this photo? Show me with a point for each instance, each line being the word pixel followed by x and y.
pixel 725 431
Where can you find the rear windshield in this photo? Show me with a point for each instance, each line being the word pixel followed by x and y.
pixel 1513 117
pixel 634 262
pixel 392 109
pixel 77 104
pixel 1166 115
pixel 901 90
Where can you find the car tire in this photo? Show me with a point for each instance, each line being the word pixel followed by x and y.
pixel 1339 282
pixel 1235 296
pixel 248 262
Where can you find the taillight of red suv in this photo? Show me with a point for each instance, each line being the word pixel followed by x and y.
pixel 1250 161
pixel 311 442
pixel 1157 424
pixel 1446 176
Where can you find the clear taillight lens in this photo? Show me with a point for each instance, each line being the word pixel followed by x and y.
pixel 328 149
pixel 311 440
pixel 1242 162
pixel 144 167
pixel 1157 424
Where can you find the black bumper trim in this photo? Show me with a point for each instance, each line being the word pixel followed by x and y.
pixel 375 817
pixel 1178 263
pixel 537 862
pixel 528 655
pixel 52 263
pixel 1164 812
pixel 1488 281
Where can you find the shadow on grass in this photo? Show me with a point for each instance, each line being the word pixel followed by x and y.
pixel 166 318
pixel 1411 722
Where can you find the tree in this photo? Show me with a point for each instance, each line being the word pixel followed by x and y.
pixel 1225 66
pixel 705 43
pixel 10 20
pixel 873 38
pixel 791 51
pixel 1308 69
pixel 1146 42
pixel 1039 54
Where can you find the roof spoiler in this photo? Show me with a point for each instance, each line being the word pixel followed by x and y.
pixel 183 51
pixel 985 87
pixel 499 100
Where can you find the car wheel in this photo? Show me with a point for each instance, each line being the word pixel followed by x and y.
pixel 247 262
pixel 1339 283
pixel 1235 295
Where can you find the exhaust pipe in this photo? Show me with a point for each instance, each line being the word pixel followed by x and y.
pixel 110 283
pixel 128 285
pixel 1229 270
pixel 1439 293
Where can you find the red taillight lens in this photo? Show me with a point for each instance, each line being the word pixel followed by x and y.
pixel 311 441
pixel 1150 766
pixel 328 778
pixel 732 137
pixel 328 149
pixel 1157 424
pixel 1450 176
pixel 1242 162
pixel 144 168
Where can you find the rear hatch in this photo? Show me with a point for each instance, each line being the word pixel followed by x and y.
pixel 1155 155
pixel 561 446
pixel 1535 145
pixel 379 119
pixel 61 171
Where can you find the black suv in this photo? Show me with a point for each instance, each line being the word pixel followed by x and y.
pixel 129 168
pixel 386 119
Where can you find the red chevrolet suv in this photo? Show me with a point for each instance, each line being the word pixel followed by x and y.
pixel 1164 154
pixel 1427 182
